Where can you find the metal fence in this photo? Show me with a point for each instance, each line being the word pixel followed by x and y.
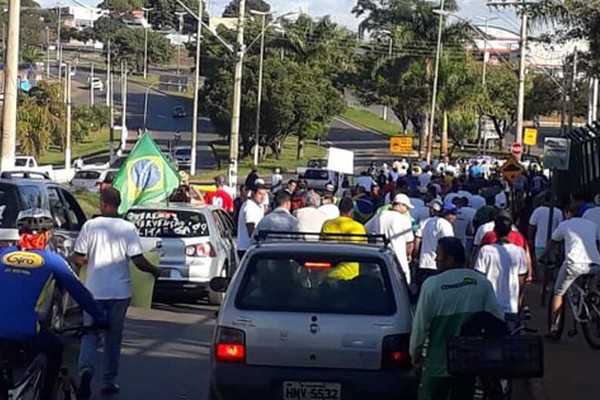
pixel 584 165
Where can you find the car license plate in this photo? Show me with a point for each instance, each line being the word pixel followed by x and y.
pixel 312 391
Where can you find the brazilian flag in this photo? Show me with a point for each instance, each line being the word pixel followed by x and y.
pixel 146 175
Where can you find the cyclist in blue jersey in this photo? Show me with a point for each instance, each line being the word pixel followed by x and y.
pixel 27 272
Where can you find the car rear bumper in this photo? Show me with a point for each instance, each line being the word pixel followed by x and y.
pixel 185 289
pixel 239 381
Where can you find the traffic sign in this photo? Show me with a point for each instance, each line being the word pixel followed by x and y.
pixel 511 170
pixel 530 137
pixel 516 149
pixel 401 145
pixel 557 153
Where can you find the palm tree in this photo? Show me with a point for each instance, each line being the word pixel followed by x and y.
pixel 412 27
pixel 31 55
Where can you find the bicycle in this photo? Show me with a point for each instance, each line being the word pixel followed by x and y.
pixel 29 386
pixel 584 301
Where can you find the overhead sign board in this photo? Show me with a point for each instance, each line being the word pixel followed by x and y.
pixel 401 145
pixel 340 160
pixel 530 137
pixel 557 153
pixel 512 169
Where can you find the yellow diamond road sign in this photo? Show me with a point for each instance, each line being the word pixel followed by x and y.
pixel 401 145
pixel 511 170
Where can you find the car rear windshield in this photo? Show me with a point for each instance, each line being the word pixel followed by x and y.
pixel 183 152
pixel 20 162
pixel 87 175
pixel 168 223
pixel 311 284
pixel 317 174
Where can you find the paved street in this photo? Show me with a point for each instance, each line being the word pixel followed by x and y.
pixel 165 353
pixel 159 116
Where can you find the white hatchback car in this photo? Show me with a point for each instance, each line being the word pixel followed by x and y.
pixel 313 321
pixel 88 178
pixel 195 245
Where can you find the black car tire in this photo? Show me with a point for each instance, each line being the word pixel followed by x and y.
pixel 55 319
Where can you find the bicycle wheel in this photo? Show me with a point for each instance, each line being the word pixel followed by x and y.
pixel 591 329
pixel 556 336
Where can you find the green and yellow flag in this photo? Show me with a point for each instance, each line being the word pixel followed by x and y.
pixel 146 175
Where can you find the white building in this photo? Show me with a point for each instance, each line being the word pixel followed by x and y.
pixel 80 17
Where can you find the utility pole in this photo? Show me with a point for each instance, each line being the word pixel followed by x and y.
pixel 179 33
pixel 196 89
pixel 69 106
pixel 124 97
pixel 146 12
pixel 92 89
pixel 573 89
pixel 435 83
pixel 108 77
pixel 237 98
pixel 385 107
pixel 521 5
pixel 522 72
pixel 260 79
pixel 58 49
pixel 9 121
pixel 484 75
pixel 111 105
pixel 47 52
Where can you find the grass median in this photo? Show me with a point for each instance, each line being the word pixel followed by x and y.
pixel 287 161
pixel 94 149
pixel 371 121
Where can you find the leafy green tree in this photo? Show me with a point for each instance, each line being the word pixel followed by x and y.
pixel 233 8
pixel 544 98
pixel 31 55
pixel 122 6
pixel 297 100
pixel 128 46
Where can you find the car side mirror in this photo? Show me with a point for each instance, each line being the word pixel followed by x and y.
pixel 219 284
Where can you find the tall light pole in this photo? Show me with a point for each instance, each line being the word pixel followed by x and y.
pixel 47 52
pixel 522 71
pixel 179 33
pixel 485 47
pixel 92 89
pixel 69 106
pixel 196 88
pixel 108 76
pixel 146 12
pixel 435 83
pixel 391 48
pixel 58 49
pixel 260 79
pixel 146 102
pixel 9 122
pixel 237 98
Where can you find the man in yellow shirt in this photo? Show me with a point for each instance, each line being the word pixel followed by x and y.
pixel 345 225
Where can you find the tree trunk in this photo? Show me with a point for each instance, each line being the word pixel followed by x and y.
pixel 444 146
pixel 300 153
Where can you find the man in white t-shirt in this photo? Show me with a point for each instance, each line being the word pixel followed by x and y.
pixel 538 225
pixel 310 219
pixel 106 244
pixel 593 214
pixel 250 215
pixel 580 237
pixel 397 227
pixel 328 206
pixel 505 266
pixel 429 233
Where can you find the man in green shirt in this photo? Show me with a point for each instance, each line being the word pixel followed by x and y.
pixel 447 301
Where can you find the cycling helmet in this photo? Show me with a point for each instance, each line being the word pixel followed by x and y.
pixel 35 220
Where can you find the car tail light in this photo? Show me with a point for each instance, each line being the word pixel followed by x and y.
pixel 200 250
pixel 394 352
pixel 230 345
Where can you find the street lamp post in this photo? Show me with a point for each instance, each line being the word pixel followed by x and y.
pixel 179 33
pixel 260 79
pixel 47 52
pixel 435 83
pixel 146 12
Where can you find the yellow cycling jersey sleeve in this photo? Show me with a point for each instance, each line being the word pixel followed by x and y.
pixel 345 225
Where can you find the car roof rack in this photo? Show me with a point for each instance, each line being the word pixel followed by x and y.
pixel 263 236
pixel 25 174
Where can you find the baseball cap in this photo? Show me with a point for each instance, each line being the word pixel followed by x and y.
pixel 220 180
pixel 436 205
pixel 500 201
pixel 401 198
pixel 450 208
pixel 504 215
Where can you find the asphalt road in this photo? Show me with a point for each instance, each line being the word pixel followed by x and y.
pixel 159 122
pixel 164 355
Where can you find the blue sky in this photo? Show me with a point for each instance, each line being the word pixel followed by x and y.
pixel 340 10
